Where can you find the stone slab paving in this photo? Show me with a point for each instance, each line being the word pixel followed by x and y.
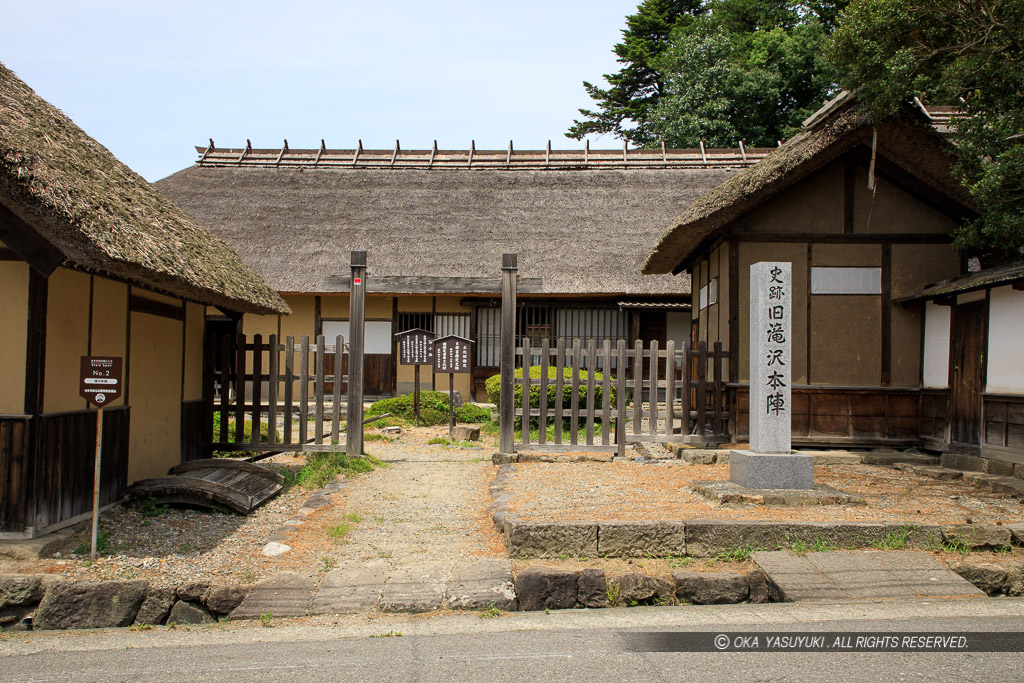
pixel 351 589
pixel 860 575
pixel 286 594
pixel 484 584
pixel 415 588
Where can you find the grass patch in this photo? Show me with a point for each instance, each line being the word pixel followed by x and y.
pixel 491 612
pixel 338 531
pixel 798 546
pixel 612 593
pixel 354 517
pixel 150 508
pixel 377 437
pixel 895 540
pixel 321 468
pixel 389 634
pixel 740 553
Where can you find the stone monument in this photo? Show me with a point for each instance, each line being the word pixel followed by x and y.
pixel 770 462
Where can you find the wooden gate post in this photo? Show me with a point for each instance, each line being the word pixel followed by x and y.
pixel 509 274
pixel 356 315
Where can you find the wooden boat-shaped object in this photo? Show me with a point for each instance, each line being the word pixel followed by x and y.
pixel 217 483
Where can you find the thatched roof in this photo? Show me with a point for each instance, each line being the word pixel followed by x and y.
pixel 839 127
pixel 92 212
pixel 581 231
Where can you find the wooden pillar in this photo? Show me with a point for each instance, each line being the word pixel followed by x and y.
pixel 356 317
pixel 509 274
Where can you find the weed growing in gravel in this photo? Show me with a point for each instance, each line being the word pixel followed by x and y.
pixel 612 593
pixel 265 618
pixel 389 634
pixel 377 437
pixel 102 544
pixel 895 540
pixel 321 468
pixel 957 546
pixel 740 553
pixel 150 508
pixel 338 531
pixel 354 517
pixel 678 562
pixel 140 627
pixel 328 563
pixel 248 575
pixel 491 612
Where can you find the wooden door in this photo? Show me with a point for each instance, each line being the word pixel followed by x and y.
pixel 966 378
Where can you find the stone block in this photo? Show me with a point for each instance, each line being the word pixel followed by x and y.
pixel 592 588
pixel 889 459
pixel 641 539
pixel 1014 578
pixel 707 538
pixel 188 612
pixel 757 585
pixel 194 591
pixel 1016 533
pixel 698 456
pixel 223 598
pixel 19 595
pixel 156 607
pixel 417 588
pixel 635 588
pixel 999 468
pixel 711 588
pixel 546 588
pixel 958 461
pixel 481 585
pixel 1018 471
pixel 91 604
pixel 1011 485
pixel 989 577
pixel 981 479
pixel 943 473
pixel 771 471
pixel 352 588
pixel 551 539
pixel 977 536
pixel 286 594
pixel 504 458
pixel 465 433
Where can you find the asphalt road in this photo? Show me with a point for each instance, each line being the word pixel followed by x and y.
pixel 574 645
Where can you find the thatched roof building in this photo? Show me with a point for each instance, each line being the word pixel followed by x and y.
pixel 71 202
pixel 434 221
pixel 840 126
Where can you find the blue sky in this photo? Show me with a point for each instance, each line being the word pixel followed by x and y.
pixel 151 80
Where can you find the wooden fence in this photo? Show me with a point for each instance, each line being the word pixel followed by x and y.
pixel 283 386
pixel 670 394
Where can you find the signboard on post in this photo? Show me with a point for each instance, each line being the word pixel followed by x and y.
pixel 452 354
pixel 99 383
pixel 416 347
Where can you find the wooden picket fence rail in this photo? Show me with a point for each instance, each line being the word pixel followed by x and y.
pixel 235 372
pixel 683 390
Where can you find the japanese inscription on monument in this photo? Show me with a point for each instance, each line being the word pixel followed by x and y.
pixel 771 317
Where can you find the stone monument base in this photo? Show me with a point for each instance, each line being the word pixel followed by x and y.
pixel 771 470
pixel 726 493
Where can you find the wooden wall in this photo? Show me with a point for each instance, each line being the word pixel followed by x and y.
pixel 15 462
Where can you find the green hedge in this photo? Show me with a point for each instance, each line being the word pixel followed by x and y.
pixel 494 388
pixel 433 409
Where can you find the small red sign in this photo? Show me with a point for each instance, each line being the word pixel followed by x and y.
pixel 357 281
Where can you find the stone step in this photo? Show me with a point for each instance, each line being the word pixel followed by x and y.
pixel 889 459
pixel 859 575
pixel 930 471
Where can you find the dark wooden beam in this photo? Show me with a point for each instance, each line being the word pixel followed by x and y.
pixel 401 284
pixel 35 352
pixel 849 179
pixel 24 241
pixel 886 376
pixel 916 188
pixel 140 304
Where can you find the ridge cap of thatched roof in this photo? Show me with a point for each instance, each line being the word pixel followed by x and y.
pixel 839 126
pixel 98 215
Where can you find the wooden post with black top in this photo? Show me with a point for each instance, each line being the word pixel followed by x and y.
pixel 509 275
pixel 356 317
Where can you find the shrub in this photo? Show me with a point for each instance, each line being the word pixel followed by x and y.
pixel 433 409
pixel 494 388
pixel 246 428
pixel 321 468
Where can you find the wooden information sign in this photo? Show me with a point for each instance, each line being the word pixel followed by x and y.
pixel 100 381
pixel 452 355
pixel 416 347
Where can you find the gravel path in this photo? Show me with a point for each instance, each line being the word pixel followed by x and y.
pixel 428 506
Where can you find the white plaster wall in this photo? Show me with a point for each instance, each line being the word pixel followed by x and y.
pixel 1005 337
pixel 936 345
pixel 677 327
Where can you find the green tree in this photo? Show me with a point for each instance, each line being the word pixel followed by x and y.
pixel 715 70
pixel 964 52
pixel 623 106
